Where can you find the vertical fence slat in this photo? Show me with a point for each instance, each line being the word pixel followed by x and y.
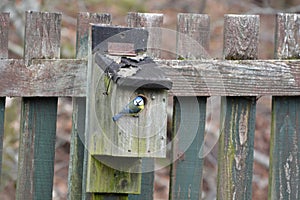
pixel 284 174
pixel 78 152
pixel 186 171
pixel 75 174
pixel 2 114
pixel 38 115
pixel 193 37
pixel 4 27
pixel 152 21
pixel 236 143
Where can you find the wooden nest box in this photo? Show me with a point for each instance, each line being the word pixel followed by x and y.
pixel 118 72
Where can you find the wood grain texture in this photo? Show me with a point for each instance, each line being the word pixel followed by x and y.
pixel 235 158
pixel 89 161
pixel 189 115
pixel 193 36
pixel 40 31
pixel 241 37
pixel 233 78
pixel 104 178
pixel 43 78
pixel 287 36
pixel 186 171
pixel 152 22
pixel 78 152
pixel 189 77
pixel 83 22
pixel 237 124
pixel 4 26
pixel 143 136
pixel 38 116
pixel 284 176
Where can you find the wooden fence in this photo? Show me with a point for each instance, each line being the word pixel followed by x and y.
pixel 41 77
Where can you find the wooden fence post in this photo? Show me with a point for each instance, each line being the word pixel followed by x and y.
pixel 78 152
pixel 235 161
pixel 147 20
pixel 186 171
pixel 38 115
pixel 152 21
pixel 284 173
pixel 4 27
pixel 235 158
pixel 191 28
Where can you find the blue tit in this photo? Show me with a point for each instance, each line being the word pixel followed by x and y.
pixel 132 108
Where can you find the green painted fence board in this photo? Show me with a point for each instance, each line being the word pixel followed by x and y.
pixel 284 173
pixel 235 158
pixel 189 112
pixel 186 171
pixel 147 184
pixel 284 177
pixel 42 114
pixel 37 146
pixel 76 176
pixel 38 115
pixel 237 126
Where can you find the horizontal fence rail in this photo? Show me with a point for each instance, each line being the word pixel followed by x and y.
pixel 67 77
pixel 41 77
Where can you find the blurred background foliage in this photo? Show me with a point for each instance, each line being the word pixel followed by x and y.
pixel 118 8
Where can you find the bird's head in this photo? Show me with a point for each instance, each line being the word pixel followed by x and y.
pixel 138 101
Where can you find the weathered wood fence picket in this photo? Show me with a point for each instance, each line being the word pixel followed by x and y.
pixel 41 77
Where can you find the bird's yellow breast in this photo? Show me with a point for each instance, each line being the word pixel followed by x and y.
pixel 141 107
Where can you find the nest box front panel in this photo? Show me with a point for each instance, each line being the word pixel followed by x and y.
pixel 141 134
